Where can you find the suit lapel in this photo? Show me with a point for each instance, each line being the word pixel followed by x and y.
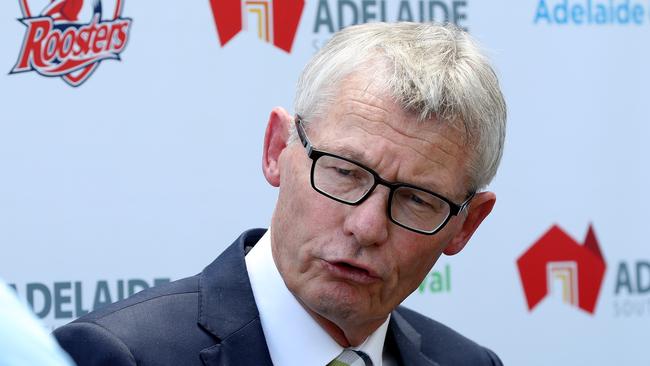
pixel 227 309
pixel 408 342
pixel 244 347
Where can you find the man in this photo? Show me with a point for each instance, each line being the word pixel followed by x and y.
pixel 397 128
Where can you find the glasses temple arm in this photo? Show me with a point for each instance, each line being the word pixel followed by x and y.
pixel 466 203
pixel 303 136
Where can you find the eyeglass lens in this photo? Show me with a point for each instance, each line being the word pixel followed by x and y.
pixel 350 183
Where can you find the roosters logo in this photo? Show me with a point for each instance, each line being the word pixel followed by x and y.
pixel 58 44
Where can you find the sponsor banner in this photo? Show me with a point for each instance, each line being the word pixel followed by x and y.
pixel 60 302
pixel 592 12
pixel 141 164
pixel 558 263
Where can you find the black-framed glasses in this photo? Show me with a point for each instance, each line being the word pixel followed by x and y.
pixel 347 181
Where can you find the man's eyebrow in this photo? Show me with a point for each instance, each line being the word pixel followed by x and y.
pixel 360 157
pixel 346 152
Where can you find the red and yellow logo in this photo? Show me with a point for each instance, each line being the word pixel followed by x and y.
pixel 557 257
pixel 276 21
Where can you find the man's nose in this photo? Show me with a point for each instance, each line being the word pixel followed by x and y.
pixel 368 222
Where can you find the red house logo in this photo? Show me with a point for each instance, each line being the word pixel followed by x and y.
pixel 556 257
pixel 70 38
pixel 276 21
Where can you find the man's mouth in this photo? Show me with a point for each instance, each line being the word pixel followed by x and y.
pixel 351 272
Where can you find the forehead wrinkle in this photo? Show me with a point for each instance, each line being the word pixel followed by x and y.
pixel 364 109
pixel 441 147
pixel 359 105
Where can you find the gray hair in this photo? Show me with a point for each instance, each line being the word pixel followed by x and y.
pixel 430 70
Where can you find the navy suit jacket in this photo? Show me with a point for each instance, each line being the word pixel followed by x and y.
pixel 212 319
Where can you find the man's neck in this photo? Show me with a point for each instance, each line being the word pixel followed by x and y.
pixel 355 335
pixel 295 335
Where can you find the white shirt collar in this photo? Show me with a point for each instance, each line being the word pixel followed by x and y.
pixel 292 335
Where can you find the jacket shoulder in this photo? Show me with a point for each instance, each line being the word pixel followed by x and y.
pixel 151 297
pixel 441 343
pixel 156 326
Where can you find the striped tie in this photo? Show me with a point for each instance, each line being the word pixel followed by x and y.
pixel 350 357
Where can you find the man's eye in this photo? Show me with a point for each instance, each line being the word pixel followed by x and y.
pixel 345 172
pixel 418 200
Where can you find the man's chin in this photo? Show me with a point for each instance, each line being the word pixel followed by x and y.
pixel 339 301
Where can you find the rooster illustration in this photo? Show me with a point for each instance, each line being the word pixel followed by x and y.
pixel 67 11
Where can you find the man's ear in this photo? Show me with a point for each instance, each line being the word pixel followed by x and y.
pixel 275 140
pixel 478 209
